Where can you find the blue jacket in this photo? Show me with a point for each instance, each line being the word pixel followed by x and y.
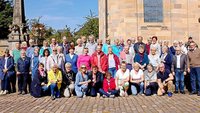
pixel 10 67
pixel 116 50
pixel 23 66
pixel 79 78
pixel 105 48
pixel 30 51
pixel 34 65
pixel 168 61
pixel 144 61
pixel 73 62
pixel 65 49
pixel 42 50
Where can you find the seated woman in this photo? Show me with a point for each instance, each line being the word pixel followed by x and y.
pixel 141 57
pixel 82 81
pixel 122 79
pixel 96 78
pixel 68 80
pixel 150 83
pixel 54 81
pixel 137 79
pixel 39 82
pixel 109 86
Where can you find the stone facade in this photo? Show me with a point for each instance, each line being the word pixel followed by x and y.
pixel 125 19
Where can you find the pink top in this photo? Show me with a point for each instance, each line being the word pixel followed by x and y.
pixel 84 59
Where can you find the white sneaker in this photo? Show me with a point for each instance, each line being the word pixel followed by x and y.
pixel 112 96
pixel 84 96
pixel 5 92
pixel 1 93
pixel 98 95
pixel 121 93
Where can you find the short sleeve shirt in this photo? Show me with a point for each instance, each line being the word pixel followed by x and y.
pixel 122 76
pixel 163 76
pixel 136 76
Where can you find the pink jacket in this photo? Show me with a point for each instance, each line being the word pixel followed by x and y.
pixel 84 59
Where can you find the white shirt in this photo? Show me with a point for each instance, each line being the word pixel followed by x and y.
pixel 154 60
pixel 122 76
pixel 136 76
pixel 178 62
pixel 71 56
pixel 111 61
pixel 6 60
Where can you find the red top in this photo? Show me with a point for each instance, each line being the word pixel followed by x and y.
pixel 109 86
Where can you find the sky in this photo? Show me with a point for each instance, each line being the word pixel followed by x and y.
pixel 58 13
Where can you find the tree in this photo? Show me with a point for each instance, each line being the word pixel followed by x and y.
pixel 6 14
pixel 90 27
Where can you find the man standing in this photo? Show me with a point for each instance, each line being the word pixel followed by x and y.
pixel 165 81
pixel 16 52
pixel 194 67
pixel 23 70
pixel 91 45
pixel 100 60
pixel 65 46
pixel 139 42
pixel 179 68
pixel 30 49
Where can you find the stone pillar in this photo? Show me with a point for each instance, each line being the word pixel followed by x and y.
pixel 18 27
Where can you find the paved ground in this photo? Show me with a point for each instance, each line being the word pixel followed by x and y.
pixel 138 104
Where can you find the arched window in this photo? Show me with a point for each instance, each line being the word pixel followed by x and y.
pixel 153 10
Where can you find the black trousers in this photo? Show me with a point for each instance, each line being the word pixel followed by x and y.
pixel 22 82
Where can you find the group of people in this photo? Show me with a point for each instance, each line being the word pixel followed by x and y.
pixel 101 69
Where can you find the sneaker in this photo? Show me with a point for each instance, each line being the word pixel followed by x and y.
pixel 154 94
pixel 23 93
pixel 1 93
pixel 125 94
pixel 121 93
pixel 112 96
pixel 198 93
pixel 193 92
pixel 98 95
pixel 169 94
pixel 5 92
pixel 53 97
pixel 20 93
pixel 104 96
pixel 182 92
pixel 84 96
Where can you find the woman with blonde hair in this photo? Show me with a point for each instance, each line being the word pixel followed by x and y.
pixel 137 79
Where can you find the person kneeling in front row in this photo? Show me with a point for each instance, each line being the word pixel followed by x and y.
pixel 165 81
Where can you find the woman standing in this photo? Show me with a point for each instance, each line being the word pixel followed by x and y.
pixel 84 59
pixel 141 57
pixel 72 59
pixel 122 79
pixel 44 58
pixel 7 72
pixel 166 58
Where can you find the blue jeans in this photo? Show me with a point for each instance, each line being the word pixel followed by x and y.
pixel 54 90
pixel 110 92
pixel 112 71
pixel 5 83
pixel 135 87
pixel 195 77
pixel 81 90
pixel 179 79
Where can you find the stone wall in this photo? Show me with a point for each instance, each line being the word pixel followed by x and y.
pixel 126 19
pixel 3 45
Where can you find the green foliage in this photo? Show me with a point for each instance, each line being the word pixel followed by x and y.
pixel 6 14
pixel 90 27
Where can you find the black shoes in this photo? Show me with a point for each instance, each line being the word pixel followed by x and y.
pixel 193 93
pixel 175 92
pixel 198 93
pixel 20 93
pixel 182 92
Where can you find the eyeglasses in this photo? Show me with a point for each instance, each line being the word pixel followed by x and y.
pixel 54 50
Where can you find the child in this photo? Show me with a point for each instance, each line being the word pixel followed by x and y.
pixel 109 86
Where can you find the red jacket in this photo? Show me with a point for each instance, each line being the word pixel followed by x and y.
pixel 117 62
pixel 103 61
pixel 110 86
